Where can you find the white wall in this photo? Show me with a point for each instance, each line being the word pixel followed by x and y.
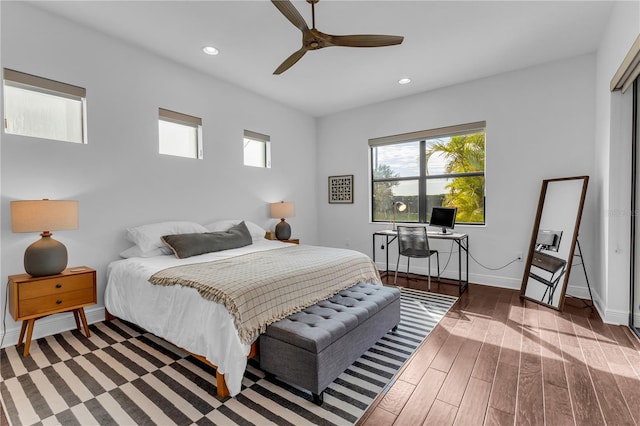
pixel 539 125
pixel 613 164
pixel 119 178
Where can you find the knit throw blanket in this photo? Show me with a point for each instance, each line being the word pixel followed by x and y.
pixel 263 287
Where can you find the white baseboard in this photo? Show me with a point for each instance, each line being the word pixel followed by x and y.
pixel 581 292
pixel 490 280
pixel 54 324
pixel 616 317
pixel 609 316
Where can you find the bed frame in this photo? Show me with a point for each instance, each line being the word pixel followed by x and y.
pixel 221 384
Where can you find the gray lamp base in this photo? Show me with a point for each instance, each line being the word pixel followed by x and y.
pixel 283 230
pixel 45 257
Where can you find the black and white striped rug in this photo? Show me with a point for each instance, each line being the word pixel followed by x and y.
pixel 125 376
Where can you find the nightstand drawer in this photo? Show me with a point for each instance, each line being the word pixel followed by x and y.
pixel 56 302
pixel 36 289
pixel 31 298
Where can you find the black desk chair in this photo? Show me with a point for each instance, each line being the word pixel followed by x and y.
pixel 413 242
pixel 551 264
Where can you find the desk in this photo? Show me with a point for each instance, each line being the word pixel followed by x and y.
pixel 461 239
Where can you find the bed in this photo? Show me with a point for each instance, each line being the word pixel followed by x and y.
pixel 180 314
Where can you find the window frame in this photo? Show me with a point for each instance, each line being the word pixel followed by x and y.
pixel 183 120
pixel 257 137
pixel 423 177
pixel 47 86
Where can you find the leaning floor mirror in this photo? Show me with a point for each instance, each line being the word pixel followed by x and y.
pixel 553 240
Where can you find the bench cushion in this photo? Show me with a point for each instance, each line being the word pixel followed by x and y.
pixel 318 326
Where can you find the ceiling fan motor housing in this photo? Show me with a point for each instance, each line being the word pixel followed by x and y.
pixel 313 39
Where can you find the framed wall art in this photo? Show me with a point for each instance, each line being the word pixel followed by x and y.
pixel 341 189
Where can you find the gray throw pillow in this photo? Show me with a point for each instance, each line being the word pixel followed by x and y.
pixel 187 245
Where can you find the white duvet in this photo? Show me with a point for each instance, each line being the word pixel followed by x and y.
pixel 179 314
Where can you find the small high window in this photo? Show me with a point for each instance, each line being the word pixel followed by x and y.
pixel 179 134
pixel 257 150
pixel 43 108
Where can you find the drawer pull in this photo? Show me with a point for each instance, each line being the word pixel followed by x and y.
pixel 58 302
pixel 58 285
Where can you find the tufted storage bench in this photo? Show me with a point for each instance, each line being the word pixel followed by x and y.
pixel 311 348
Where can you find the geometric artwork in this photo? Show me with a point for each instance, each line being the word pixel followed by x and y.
pixel 341 189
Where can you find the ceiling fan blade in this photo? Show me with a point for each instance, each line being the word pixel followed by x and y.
pixel 291 13
pixel 362 40
pixel 290 61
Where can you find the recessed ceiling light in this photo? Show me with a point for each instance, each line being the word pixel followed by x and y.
pixel 210 50
pixel 404 80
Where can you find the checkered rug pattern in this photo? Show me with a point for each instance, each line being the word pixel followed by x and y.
pixel 123 375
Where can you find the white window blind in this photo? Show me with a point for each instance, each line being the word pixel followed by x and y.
pixel 43 108
pixel 179 134
pixel 256 149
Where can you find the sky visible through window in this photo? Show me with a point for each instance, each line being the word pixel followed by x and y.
pixel 404 162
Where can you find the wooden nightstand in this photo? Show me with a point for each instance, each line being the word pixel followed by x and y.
pixel 292 241
pixel 31 298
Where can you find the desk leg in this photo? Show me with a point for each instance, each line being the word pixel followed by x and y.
pixel 467 276
pixel 386 251
pixel 373 238
pixel 463 244
pixel 385 248
pixel 459 268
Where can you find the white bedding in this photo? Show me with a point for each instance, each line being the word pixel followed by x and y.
pixel 179 314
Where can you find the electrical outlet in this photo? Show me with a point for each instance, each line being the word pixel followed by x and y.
pixel 519 256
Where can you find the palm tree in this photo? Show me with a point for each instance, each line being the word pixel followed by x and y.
pixel 463 154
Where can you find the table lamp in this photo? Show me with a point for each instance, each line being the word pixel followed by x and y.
pixel 46 256
pixel 400 206
pixel 282 210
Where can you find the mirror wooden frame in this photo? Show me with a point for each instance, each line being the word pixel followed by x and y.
pixel 534 239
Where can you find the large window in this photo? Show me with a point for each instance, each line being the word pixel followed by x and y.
pixel 439 167
pixel 179 134
pixel 43 108
pixel 257 149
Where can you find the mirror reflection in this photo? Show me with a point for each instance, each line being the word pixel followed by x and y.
pixel 553 240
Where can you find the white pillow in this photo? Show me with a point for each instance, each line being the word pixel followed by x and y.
pixel 257 232
pixel 134 251
pixel 147 237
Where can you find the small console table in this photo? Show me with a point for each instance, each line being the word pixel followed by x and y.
pixel 462 240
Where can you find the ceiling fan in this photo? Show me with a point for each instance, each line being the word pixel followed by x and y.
pixel 313 39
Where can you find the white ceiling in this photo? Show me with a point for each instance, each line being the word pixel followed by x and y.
pixel 446 42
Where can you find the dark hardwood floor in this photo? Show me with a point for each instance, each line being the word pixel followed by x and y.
pixel 497 360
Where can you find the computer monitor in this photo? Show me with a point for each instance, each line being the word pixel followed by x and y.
pixel 444 218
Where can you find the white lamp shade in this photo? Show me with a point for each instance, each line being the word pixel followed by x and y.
pixel 43 215
pixel 282 210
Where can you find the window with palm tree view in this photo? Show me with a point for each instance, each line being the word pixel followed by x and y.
pixel 441 167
